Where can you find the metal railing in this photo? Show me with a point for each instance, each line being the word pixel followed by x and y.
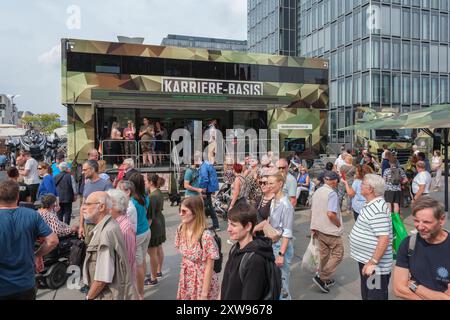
pixel 133 149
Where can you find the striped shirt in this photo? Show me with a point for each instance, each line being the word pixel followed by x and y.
pixel 129 235
pixel 374 221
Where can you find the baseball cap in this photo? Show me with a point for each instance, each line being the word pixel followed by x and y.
pixel 331 175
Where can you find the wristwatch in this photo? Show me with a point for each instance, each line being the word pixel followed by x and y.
pixel 375 262
pixel 280 254
pixel 413 286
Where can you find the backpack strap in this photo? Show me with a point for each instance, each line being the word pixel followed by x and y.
pixel 243 264
pixel 412 244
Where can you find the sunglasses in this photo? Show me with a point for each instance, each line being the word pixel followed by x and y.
pixel 263 183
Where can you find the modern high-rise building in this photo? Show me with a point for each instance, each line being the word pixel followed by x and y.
pixel 391 54
pixel 204 43
pixel 272 26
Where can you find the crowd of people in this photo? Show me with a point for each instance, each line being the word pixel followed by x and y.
pixel 122 221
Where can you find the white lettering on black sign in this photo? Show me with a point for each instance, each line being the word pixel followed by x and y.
pixel 206 87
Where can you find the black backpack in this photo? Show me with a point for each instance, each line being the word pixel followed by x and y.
pixel 218 240
pixel 77 253
pixel 273 274
pixel 396 176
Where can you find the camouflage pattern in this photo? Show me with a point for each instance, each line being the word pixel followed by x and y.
pixel 315 138
pixel 81 90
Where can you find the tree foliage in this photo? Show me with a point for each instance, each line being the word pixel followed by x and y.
pixel 46 122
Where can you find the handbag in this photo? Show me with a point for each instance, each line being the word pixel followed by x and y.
pixel 310 261
pixel 271 232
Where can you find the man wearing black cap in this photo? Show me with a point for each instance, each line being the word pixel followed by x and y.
pixel 327 228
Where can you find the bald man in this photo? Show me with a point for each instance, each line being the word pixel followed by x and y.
pixel 106 270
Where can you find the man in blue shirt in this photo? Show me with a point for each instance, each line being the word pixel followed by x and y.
pixel 210 184
pixel 19 230
pixel 55 166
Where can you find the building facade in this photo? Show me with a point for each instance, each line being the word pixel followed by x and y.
pixel 383 54
pixel 388 55
pixel 174 40
pixel 8 110
pixel 272 26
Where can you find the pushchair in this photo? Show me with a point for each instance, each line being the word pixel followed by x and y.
pixel 70 251
pixel 222 201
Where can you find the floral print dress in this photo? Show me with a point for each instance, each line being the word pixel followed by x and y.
pixel 193 267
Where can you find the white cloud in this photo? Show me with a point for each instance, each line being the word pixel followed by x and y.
pixel 51 57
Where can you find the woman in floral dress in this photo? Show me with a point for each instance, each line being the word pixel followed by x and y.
pixel 198 281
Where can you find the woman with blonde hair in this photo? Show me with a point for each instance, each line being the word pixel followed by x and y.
pixel 198 281
pixel 116 146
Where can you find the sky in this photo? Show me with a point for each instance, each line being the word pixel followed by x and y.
pixel 30 34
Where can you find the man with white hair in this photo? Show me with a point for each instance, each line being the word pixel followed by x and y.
pixel 129 168
pixel 119 212
pixel 371 240
pixel 106 268
pixel 128 187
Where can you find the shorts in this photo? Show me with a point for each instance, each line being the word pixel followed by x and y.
pixel 393 196
pixel 142 242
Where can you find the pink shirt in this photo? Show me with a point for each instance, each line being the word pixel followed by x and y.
pixel 128 133
pixel 129 235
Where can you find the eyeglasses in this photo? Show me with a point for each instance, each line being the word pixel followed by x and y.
pixel 263 183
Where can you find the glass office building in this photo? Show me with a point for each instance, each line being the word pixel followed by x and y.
pixel 174 40
pixel 386 55
pixel 383 54
pixel 272 26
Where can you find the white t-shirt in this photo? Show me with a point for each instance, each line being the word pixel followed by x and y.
pixel 33 175
pixel 339 163
pixel 132 214
pixel 423 177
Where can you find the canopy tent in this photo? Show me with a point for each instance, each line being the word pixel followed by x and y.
pixel 436 117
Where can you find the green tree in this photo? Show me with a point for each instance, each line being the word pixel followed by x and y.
pixel 45 122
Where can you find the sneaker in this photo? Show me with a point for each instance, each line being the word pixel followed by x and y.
pixel 330 283
pixel 84 289
pixel 322 286
pixel 159 275
pixel 150 282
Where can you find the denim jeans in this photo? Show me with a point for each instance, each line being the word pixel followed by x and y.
pixel 210 208
pixel 286 268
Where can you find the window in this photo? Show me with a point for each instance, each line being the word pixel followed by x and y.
pixel 444 28
pixel 386 89
pixel 348 60
pixel 386 54
pixel 375 53
pixel 444 98
pixel 406 89
pixel 396 88
pixel 425 57
pixel 434 90
pixel 415 89
pixel 357 89
pixel 395 24
pixel 357 56
pixel 406 56
pixel 386 20
pixel 365 83
pixel 415 24
pixel 415 55
pixel 435 26
pixel 443 61
pixel 425 25
pixel 434 58
pixel 376 86
pixel 396 55
pixel 406 23
pixel 425 90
